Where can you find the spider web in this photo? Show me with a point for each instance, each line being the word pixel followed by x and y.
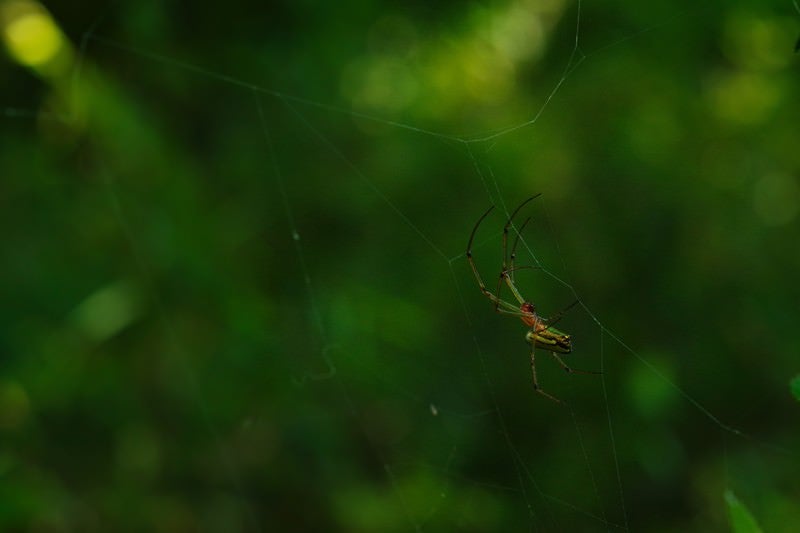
pixel 336 351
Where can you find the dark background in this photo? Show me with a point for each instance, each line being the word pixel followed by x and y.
pixel 234 284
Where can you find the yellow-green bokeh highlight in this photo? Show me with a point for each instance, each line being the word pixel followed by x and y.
pixel 33 39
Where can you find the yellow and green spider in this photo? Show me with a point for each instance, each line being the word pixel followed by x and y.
pixel 542 334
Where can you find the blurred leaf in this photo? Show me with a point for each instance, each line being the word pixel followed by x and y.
pixel 742 520
pixel 108 310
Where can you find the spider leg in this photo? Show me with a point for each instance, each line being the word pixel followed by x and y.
pixel 508 225
pixel 536 386
pixel 512 268
pixel 504 273
pixel 523 267
pixel 486 292
pixel 553 320
pixel 503 276
pixel 569 369
pixel 510 309
pixel 501 306
pixel 509 279
pixel 507 272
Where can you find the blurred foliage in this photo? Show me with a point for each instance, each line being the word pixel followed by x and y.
pixel 236 295
pixel 795 386
pixel 741 518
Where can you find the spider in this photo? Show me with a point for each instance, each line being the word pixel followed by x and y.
pixel 542 334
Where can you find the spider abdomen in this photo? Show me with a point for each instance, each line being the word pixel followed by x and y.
pixel 549 339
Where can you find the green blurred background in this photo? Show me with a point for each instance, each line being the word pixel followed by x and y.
pixel 235 295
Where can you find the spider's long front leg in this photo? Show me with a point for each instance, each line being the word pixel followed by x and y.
pixel 506 273
pixel 498 303
pixel 536 386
